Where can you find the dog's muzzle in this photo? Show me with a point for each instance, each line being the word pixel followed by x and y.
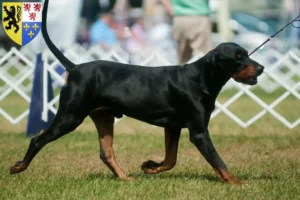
pixel 252 80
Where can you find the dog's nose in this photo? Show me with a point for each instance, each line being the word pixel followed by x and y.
pixel 260 69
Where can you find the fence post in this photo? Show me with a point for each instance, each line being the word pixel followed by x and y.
pixel 35 123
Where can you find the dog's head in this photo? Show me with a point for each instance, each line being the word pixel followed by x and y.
pixel 234 60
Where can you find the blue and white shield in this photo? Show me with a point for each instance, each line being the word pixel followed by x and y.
pixel 22 20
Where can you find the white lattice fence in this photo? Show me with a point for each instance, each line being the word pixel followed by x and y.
pixel 281 81
pixel 16 73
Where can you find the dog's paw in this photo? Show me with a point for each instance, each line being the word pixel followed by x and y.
pixel 17 167
pixel 150 164
pixel 151 167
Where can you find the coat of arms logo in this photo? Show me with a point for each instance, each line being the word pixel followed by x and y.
pixel 22 20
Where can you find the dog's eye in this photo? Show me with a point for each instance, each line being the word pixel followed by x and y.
pixel 238 56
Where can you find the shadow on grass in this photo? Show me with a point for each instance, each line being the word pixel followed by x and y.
pixel 259 177
pixel 205 176
pixel 187 176
pixel 181 176
pixel 161 176
pixel 101 175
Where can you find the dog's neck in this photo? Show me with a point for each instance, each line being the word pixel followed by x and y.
pixel 211 78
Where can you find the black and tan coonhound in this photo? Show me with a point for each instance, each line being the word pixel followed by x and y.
pixel 173 97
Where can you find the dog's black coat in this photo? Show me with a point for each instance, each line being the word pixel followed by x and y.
pixel 163 96
pixel 173 97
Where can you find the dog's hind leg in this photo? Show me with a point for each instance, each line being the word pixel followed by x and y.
pixel 172 136
pixel 104 122
pixel 62 124
pixel 70 114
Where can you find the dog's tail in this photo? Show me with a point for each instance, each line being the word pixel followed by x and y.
pixel 64 61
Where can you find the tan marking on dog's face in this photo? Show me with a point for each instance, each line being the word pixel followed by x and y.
pixel 67 76
pixel 247 73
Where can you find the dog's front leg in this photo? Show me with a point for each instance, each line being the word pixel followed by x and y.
pixel 172 136
pixel 199 136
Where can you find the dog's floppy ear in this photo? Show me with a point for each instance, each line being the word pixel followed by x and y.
pixel 213 57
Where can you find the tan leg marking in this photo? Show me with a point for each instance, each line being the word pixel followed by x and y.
pixel 171 147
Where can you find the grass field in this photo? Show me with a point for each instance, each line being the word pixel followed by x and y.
pixel 266 156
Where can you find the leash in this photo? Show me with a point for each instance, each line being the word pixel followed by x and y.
pixel 270 38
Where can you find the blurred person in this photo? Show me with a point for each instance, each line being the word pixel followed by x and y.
pixel 102 31
pixel 90 10
pixel 158 27
pixel 138 36
pixel 191 26
pixel 89 13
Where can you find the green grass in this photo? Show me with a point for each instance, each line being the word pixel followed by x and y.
pixel 70 168
pixel 266 156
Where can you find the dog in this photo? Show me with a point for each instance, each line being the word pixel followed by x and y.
pixel 172 97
